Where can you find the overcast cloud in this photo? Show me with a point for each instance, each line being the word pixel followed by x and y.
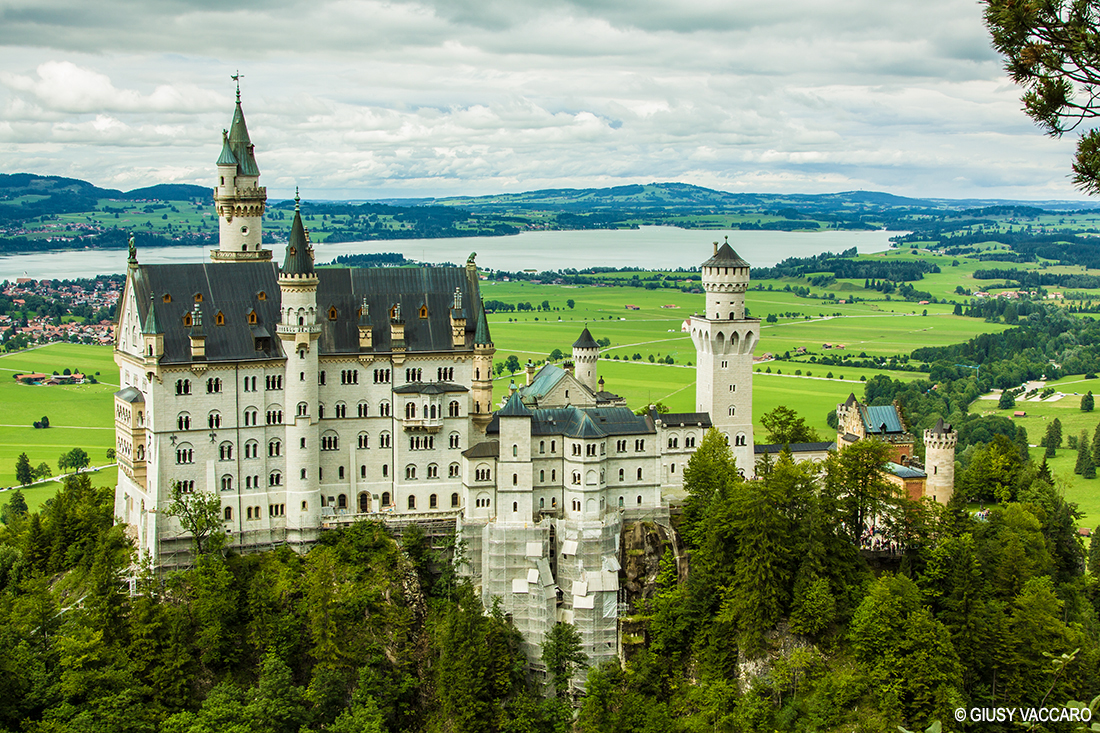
pixel 361 99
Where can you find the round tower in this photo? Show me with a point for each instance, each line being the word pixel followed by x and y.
pixel 239 198
pixel 724 343
pixel 299 330
pixel 725 280
pixel 586 355
pixel 939 461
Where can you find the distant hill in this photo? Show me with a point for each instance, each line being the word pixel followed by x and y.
pixel 171 192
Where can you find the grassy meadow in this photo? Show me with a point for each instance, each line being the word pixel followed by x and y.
pixel 80 415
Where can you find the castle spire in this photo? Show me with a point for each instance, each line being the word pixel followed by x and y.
pixel 299 255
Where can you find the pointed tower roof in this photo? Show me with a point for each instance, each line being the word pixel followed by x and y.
pixel 227 157
pixel 585 341
pixel 150 328
pixel 514 408
pixel 240 144
pixel 725 257
pixel 299 260
pixel 481 335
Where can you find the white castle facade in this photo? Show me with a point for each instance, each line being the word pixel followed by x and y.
pixel 306 398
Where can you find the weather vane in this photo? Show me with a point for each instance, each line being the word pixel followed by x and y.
pixel 237 78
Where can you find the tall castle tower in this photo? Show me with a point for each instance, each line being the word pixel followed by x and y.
pixel 939 461
pixel 299 329
pixel 724 343
pixel 238 198
pixel 586 354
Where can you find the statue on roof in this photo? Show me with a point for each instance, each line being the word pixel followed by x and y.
pixel 133 250
pixel 470 259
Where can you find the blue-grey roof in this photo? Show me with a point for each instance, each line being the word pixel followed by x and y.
pixel 682 419
pixel 487 449
pixel 429 388
pixel 725 257
pixel 904 471
pixel 585 340
pixel 131 395
pixel 299 255
pixel 794 447
pixel 514 408
pixel 875 417
pixel 241 145
pixel 544 381
pixel 234 290
pixel 227 157
pixel 587 422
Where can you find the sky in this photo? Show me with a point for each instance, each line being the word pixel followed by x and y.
pixel 356 99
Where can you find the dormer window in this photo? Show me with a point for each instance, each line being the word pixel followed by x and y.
pixel 424 311
pixel 219 319
pixel 167 298
pixel 332 313
pixel 261 295
pixel 252 318
pixel 293 251
pixel 187 320
pixel 198 297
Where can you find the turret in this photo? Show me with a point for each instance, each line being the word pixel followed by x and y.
pixel 152 336
pixel 484 350
pixel 238 198
pixel 586 354
pixel 725 280
pixel 939 461
pixel 299 330
pixel 724 343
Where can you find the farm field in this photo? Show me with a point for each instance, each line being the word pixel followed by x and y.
pixel 80 415
pixel 1086 492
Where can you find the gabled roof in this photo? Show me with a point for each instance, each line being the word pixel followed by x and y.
pixel 514 408
pixel 874 418
pixel 578 422
pixel 851 399
pixel 585 341
pixel 227 157
pixel 544 381
pixel 725 257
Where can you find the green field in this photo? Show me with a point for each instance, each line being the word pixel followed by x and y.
pixel 80 415
pixel 1086 492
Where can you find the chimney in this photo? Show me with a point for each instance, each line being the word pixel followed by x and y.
pixel 198 336
pixel 458 321
pixel 397 329
pixel 716 246
pixel 568 366
pixel 366 332
pixel 530 372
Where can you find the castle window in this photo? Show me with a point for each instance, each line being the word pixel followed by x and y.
pixel 219 319
pixel 515 479
pixel 227 483
pixel 261 295
pixel 639 474
pixel 385 498
pixel 733 411
pixel 225 452
pixel 412 502
pixel 229 514
pixel 183 386
pixel 198 297
pixel 423 311
pixel 452 470
pixel 452 409
pixel 433 502
pixel 741 439
pixel 410 474
pixel 622 474
pixel 515 507
pixel 542 446
pixel 183 421
pixel 167 298
pixel 332 313
pixel 187 320
pixel 252 318
pixel 454 500
pixel 364 441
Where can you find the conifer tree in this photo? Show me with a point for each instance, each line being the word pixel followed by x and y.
pixel 1087 402
pixel 23 472
pixel 1084 453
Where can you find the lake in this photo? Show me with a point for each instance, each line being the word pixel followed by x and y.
pixel 647 247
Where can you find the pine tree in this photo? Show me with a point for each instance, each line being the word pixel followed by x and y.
pixel 1087 402
pixel 1094 553
pixel 23 472
pixel 1084 454
pixel 1057 425
pixel 1096 446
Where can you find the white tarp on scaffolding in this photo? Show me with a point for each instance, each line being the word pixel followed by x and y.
pixel 584 601
pixel 519 585
pixel 534 549
pixel 533 575
pixel 580 588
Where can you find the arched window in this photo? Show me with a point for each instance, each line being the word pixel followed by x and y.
pixel 364 441
pixel 515 450
pixel 274 448
pixel 384 440
pixel 410 410
pixel 364 501
pixel 330 441
pixel 362 409
pixel 214 420
pixel 433 470
pixel 275 479
pixel 185 454
pixel 227 483
pixel 225 452
pixel 183 421
pixel 412 502
pixel 410 472
pixel 341 410
pixel 452 409
pixel 454 500
pixel 229 514
pixel 622 475
pixel 542 476
pixel 385 498
pixel 342 501
pixel 515 479
pixel 639 474
pixel 515 507
pixel 433 502
pixel 251 449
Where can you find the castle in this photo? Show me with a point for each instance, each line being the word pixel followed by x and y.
pixel 306 398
